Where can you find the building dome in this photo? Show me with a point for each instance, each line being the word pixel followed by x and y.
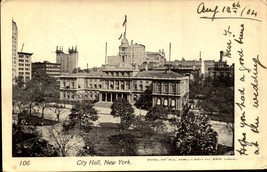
pixel 124 41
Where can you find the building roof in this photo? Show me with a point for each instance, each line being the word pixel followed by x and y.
pixel 159 74
pixel 25 53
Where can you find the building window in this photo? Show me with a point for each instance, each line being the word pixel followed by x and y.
pixel 158 101
pixel 27 73
pixel 122 86
pixel 95 86
pixel 135 87
pixel 117 84
pixel 64 84
pixel 165 102
pixel 173 88
pixel 141 87
pixel 166 88
pixel 158 87
pixel 20 68
pixel 128 85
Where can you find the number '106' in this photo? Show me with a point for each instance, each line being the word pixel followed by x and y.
pixel 24 163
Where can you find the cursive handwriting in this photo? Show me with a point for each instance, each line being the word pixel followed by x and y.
pixel 253 127
pixel 235 11
pixel 241 61
pixel 242 98
pixel 202 9
pixel 240 39
pixel 244 143
pixel 255 80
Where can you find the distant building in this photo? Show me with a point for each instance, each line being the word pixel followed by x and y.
pixel 208 64
pixel 191 68
pixel 113 60
pixel 222 71
pixel 51 69
pixel 24 66
pixel 135 54
pixel 196 64
pixel 68 61
pixel 156 58
pixel 14 52
pixel 167 88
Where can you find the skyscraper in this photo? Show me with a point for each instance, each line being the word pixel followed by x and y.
pixel 14 52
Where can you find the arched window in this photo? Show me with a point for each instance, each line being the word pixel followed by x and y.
pixel 158 101
pixel 165 102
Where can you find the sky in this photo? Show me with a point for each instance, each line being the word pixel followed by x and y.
pixel 43 25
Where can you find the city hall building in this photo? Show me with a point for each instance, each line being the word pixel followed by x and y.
pixel 167 88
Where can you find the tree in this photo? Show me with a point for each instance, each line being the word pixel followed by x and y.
pixel 84 113
pixel 145 100
pixel 214 96
pixel 123 109
pixel 48 90
pixel 18 98
pixel 195 136
pixel 26 142
pixel 63 140
pixel 157 112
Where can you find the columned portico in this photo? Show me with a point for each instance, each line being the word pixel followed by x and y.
pixel 110 97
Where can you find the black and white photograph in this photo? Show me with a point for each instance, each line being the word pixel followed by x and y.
pixel 110 83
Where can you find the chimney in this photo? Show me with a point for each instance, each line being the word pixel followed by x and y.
pixel 106 61
pixel 131 42
pixel 170 56
pixel 221 56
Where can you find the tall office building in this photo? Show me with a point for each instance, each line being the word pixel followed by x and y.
pixel 14 52
pixel 24 66
pixel 68 61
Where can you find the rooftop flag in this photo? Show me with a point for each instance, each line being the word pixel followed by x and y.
pixel 120 37
pixel 125 21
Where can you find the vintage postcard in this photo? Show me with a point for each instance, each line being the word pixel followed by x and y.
pixel 120 85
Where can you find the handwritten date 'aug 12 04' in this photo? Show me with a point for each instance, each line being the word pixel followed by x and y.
pixel 235 9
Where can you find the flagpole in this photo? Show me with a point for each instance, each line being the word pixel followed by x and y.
pixel 125 26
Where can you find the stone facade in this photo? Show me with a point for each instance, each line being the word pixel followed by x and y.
pixel 24 66
pixel 130 84
pixel 14 52
pixel 68 61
